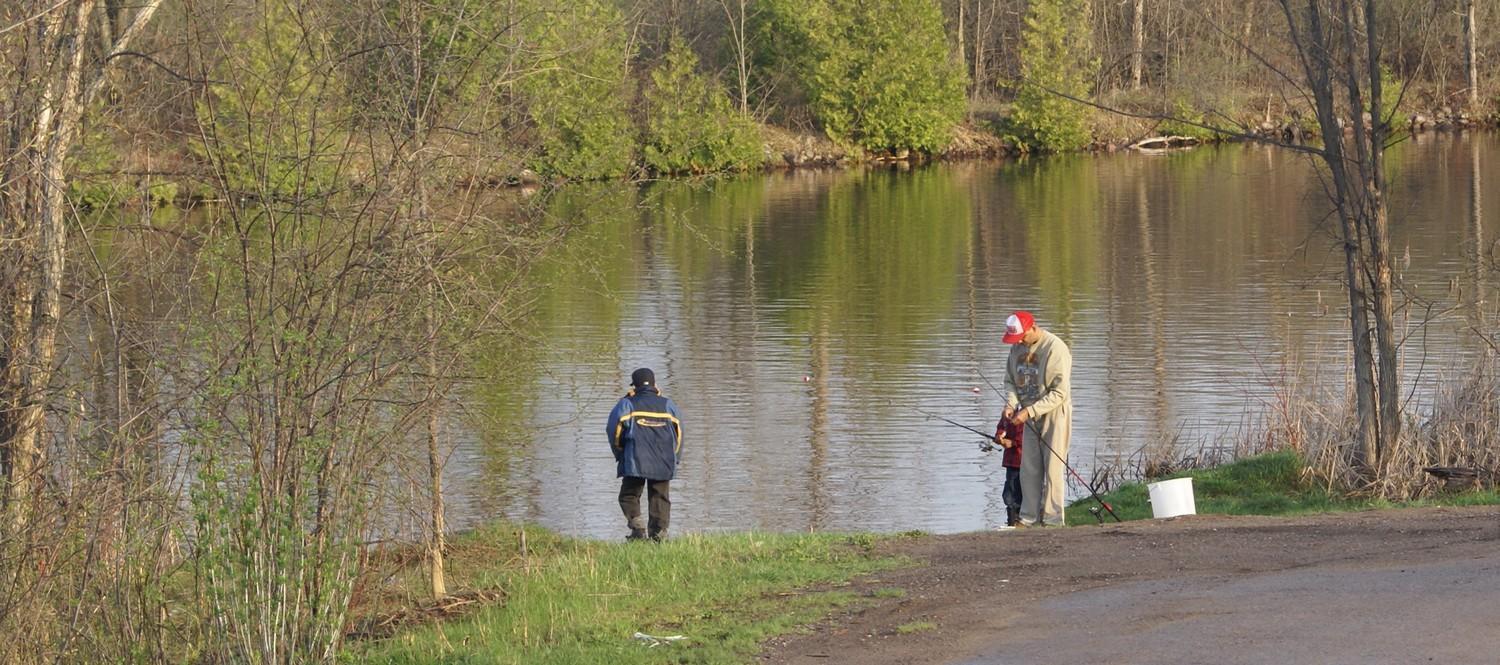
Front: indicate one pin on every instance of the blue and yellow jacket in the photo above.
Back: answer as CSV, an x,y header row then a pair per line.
x,y
645,434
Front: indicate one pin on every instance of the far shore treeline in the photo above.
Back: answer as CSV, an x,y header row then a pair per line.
x,y
603,89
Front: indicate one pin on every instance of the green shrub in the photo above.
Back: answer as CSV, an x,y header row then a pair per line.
x,y
875,73
1055,58
575,91
452,51
271,119
690,125
1390,93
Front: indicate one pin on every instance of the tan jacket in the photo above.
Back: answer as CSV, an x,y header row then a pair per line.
x,y
1038,378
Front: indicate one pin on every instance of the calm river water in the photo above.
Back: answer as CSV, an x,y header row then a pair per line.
x,y
800,319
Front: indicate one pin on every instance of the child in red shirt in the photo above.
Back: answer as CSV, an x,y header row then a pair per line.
x,y
1008,436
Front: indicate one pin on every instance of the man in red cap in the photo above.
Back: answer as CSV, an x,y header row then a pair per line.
x,y
1038,396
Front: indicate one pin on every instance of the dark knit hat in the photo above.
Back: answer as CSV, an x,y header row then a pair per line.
x,y
643,377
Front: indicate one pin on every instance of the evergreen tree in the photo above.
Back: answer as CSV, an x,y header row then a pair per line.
x,y
272,118
876,73
690,125
1056,57
576,88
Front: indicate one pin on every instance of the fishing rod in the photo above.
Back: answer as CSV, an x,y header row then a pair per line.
x,y
1092,492
929,414
989,445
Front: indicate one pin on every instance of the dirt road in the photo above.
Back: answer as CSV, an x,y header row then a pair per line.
x,y
1400,586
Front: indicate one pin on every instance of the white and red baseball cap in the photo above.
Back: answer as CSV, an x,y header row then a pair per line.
x,y
1017,325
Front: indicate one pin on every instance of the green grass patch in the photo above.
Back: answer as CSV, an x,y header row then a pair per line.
x,y
889,592
1269,484
915,627
578,601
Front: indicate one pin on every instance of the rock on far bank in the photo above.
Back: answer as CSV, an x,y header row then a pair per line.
x,y
786,148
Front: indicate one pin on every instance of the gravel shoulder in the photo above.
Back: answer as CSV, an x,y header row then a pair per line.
x,y
1408,585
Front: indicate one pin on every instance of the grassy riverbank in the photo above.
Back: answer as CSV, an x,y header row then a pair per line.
x,y
563,600
1269,484
530,596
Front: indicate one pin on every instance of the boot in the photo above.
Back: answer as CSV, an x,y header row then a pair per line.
x,y
1012,516
636,534
658,536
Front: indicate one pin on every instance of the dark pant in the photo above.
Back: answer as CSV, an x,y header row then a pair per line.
x,y
1011,493
659,501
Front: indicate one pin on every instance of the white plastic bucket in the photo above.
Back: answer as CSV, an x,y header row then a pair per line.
x,y
1170,498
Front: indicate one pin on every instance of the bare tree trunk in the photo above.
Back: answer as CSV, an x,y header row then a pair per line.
x,y
437,542
979,35
1471,57
1385,331
1363,360
1476,299
434,458
1314,49
36,182
417,129
1137,43
740,41
1370,141
1358,188
40,132
963,56
1169,66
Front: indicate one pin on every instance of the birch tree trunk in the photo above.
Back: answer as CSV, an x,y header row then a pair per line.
x,y
740,42
53,83
1471,56
436,543
962,52
1137,43
35,237
979,39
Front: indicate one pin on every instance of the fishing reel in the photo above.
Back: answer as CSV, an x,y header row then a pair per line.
x,y
1098,512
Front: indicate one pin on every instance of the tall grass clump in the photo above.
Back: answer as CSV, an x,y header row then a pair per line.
x,y
1459,427
1293,454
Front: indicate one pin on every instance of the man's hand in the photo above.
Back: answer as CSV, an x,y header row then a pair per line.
x,y
1010,412
1004,442
1021,417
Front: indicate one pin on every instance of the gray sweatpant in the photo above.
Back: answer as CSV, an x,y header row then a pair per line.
x,y
1043,480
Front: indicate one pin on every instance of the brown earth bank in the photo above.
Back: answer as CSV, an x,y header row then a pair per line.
x,y
1388,586
787,148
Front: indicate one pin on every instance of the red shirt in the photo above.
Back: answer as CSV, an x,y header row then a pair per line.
x,y
1012,457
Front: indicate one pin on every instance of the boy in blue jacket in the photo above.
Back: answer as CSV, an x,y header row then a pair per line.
x,y
645,435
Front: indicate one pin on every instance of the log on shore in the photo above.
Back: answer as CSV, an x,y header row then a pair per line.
x,y
1165,143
